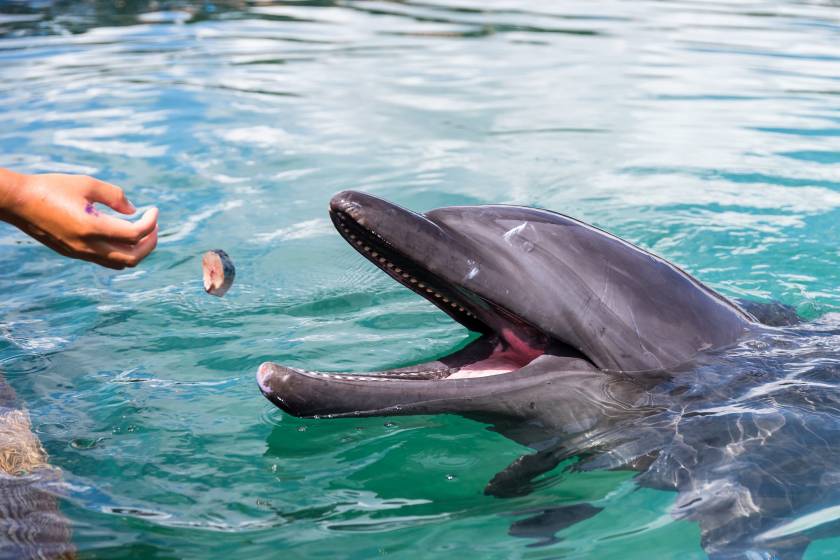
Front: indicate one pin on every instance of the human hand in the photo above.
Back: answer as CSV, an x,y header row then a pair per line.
x,y
58,210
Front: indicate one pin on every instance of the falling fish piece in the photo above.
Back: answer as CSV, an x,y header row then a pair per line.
x,y
219,272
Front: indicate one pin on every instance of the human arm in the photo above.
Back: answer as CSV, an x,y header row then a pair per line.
x,y
58,211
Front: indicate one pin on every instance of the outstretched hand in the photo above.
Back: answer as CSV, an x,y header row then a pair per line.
x,y
58,210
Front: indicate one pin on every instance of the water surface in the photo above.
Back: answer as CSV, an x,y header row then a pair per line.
x,y
707,132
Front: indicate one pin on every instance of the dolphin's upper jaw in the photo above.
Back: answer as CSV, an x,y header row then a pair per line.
x,y
356,224
367,225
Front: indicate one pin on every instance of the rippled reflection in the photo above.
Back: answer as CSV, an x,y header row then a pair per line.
x,y
708,132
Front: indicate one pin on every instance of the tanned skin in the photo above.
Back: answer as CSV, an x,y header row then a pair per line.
x,y
58,211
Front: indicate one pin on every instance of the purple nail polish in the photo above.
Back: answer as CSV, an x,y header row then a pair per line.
x,y
89,209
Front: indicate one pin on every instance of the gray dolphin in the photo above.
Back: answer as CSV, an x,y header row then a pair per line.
x,y
589,347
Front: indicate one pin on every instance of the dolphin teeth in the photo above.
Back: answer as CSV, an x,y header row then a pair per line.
x,y
374,254
367,247
413,280
397,269
405,274
446,299
421,285
352,236
390,265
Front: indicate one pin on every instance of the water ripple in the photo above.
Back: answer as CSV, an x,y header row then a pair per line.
x,y
706,131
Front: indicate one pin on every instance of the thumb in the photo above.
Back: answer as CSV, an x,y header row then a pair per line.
x,y
111,196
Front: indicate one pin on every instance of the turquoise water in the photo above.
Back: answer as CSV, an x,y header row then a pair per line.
x,y
707,132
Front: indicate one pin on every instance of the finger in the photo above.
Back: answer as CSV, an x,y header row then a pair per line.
x,y
110,228
110,195
121,254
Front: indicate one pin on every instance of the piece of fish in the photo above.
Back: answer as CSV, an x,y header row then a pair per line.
x,y
219,272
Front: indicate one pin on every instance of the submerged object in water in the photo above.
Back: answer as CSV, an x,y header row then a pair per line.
x,y
219,272
31,524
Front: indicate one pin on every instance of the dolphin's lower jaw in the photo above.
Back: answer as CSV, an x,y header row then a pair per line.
x,y
518,395
312,394
459,382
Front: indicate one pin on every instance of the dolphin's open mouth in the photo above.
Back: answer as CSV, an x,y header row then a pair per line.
x,y
508,343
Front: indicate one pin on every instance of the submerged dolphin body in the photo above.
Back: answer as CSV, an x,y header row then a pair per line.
x,y
592,347
31,523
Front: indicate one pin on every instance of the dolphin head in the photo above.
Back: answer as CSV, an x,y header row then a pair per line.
x,y
556,301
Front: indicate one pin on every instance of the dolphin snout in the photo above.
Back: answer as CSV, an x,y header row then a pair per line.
x,y
353,203
292,389
267,375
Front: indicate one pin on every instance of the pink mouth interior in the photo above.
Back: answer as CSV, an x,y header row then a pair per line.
x,y
510,355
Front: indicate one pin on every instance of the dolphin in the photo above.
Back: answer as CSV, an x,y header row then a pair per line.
x,y
589,347
31,523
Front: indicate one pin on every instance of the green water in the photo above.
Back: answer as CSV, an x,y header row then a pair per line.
x,y
707,132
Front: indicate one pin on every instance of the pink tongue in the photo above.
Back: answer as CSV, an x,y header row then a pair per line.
x,y
524,352
518,354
